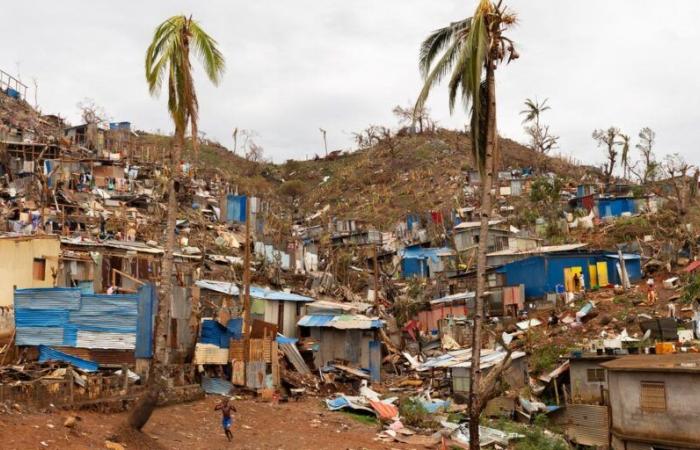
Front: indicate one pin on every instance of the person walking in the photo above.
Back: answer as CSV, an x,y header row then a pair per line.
x,y
226,421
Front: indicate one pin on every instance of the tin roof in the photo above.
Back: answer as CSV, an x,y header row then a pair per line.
x,y
226,287
678,362
341,322
540,250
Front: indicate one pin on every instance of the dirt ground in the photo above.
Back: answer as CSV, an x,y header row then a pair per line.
x,y
296,425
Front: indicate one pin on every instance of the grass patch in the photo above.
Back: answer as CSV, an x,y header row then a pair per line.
x,y
364,419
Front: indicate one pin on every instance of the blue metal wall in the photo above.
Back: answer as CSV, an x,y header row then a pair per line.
x,y
414,267
236,208
541,274
67,317
615,207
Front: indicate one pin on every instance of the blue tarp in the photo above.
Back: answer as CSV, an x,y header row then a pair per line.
x,y
50,354
214,333
235,328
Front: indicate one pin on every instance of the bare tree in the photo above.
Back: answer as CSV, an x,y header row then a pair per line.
x,y
685,186
255,152
410,116
649,166
608,139
235,140
91,112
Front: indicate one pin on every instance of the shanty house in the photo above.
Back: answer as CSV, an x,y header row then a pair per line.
x,y
27,262
342,333
466,235
616,206
277,307
458,362
542,274
421,262
653,401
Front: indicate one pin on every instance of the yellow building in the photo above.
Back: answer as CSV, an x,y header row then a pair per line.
x,y
27,262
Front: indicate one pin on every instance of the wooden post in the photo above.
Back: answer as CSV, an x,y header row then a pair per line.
x,y
376,276
556,392
246,270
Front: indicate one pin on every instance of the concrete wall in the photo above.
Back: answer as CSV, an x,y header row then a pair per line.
x,y
583,391
677,424
17,263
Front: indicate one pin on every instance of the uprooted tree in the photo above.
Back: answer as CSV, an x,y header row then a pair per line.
x,y
168,57
469,51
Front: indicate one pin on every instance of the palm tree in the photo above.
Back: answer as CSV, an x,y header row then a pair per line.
x,y
470,51
533,109
168,57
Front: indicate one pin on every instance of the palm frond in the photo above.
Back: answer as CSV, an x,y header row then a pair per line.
x,y
208,53
438,41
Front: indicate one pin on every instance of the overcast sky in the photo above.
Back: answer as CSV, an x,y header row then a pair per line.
x,y
295,66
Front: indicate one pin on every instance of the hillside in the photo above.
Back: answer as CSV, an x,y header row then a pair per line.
x,y
381,183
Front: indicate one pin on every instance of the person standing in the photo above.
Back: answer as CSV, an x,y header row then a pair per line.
x,y
651,292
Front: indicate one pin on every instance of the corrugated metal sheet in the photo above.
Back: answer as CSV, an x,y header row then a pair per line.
x,y
147,307
70,318
39,335
216,386
109,313
210,354
587,424
50,354
267,294
292,353
223,287
341,322
41,318
48,298
106,340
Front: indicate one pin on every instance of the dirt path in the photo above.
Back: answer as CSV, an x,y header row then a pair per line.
x,y
296,425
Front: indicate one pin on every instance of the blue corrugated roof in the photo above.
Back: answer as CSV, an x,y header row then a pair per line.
x,y
424,253
315,320
226,287
266,294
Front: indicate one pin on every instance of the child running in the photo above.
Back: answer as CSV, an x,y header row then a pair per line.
x,y
226,420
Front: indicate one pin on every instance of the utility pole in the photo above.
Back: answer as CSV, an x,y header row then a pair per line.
x,y
246,270
325,142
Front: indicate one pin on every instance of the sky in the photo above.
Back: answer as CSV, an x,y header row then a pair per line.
x,y
296,66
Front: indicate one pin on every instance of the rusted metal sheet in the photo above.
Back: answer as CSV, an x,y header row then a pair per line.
x,y
385,411
587,424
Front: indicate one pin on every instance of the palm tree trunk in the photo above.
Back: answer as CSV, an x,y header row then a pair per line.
x,y
475,405
144,407
166,273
